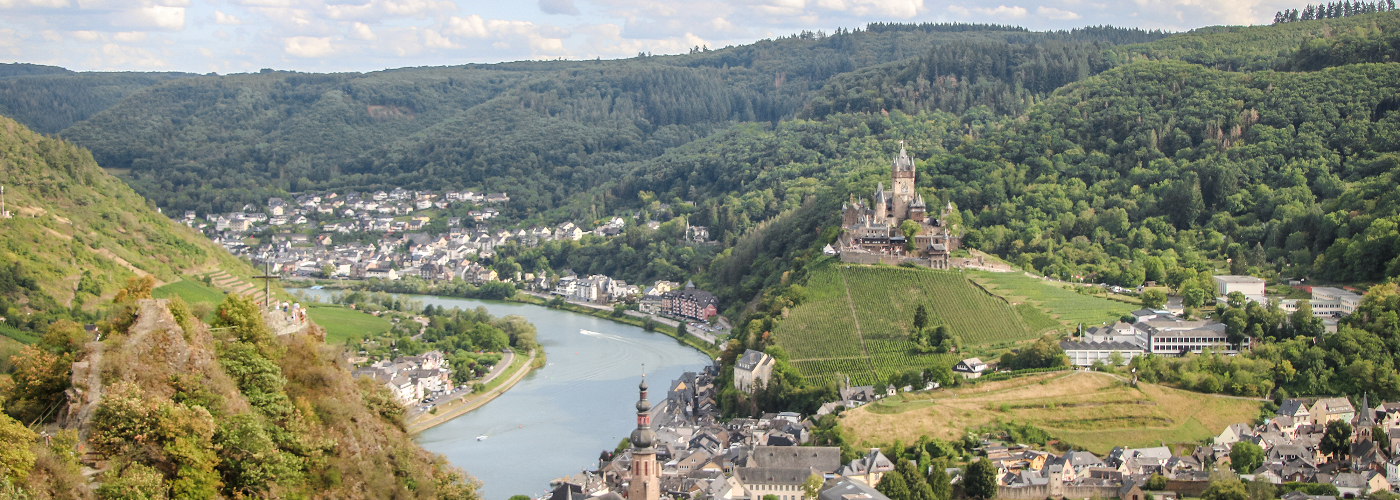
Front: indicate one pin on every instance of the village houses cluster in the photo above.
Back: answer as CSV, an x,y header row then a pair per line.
x,y
683,450
403,249
411,378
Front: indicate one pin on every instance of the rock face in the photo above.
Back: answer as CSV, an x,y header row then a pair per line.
x,y
155,353
336,437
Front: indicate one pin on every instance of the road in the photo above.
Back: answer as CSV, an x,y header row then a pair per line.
x,y
458,393
428,422
708,337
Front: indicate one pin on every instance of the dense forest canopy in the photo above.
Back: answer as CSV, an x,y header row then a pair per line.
x,y
556,133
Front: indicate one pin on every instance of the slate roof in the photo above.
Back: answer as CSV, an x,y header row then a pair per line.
x,y
749,360
825,459
849,489
770,475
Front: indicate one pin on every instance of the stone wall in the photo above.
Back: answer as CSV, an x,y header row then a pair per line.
x,y
879,258
1058,491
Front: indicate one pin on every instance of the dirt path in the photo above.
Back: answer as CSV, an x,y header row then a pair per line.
x,y
852,302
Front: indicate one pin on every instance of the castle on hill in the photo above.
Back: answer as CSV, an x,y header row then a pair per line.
x,y
872,232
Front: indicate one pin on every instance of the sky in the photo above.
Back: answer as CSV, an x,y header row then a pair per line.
x,y
237,36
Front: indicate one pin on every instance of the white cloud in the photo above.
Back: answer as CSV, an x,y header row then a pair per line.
x,y
902,9
113,56
51,36
472,26
154,16
1056,14
379,9
565,7
432,39
87,36
361,31
221,18
958,10
1002,11
130,36
308,47
43,4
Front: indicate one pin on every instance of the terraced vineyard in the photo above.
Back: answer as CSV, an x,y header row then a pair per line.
x,y
1068,307
864,333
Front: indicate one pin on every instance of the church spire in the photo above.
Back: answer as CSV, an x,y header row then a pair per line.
x,y
645,482
643,438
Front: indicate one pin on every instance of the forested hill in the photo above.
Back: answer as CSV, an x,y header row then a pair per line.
x,y
545,131
48,99
76,233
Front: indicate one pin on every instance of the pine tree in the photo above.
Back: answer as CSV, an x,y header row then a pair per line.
x,y
938,479
892,485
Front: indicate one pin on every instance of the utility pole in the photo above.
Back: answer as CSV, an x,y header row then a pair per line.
x,y
4,214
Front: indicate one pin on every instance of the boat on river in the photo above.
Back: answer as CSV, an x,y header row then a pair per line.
x,y
587,332
481,437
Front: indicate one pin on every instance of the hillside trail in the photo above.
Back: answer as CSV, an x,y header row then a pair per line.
x,y
851,302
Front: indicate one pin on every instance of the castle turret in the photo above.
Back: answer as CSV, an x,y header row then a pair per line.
x,y
646,478
903,189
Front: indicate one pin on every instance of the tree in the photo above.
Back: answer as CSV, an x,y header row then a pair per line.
x,y
938,479
981,481
680,328
893,486
1336,439
812,486
909,228
920,317
37,384
1245,457
15,458
242,315
1302,321
1156,483
1228,489
1154,299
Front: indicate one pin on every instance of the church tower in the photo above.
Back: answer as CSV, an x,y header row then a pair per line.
x,y
1364,422
903,189
646,478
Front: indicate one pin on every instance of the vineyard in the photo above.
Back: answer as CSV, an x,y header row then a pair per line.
x,y
864,333
1069,308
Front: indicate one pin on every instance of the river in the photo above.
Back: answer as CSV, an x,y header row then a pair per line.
x,y
558,418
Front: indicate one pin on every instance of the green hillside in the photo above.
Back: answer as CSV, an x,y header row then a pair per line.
x,y
48,99
77,233
550,132
856,320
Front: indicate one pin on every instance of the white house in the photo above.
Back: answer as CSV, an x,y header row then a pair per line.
x,y
752,368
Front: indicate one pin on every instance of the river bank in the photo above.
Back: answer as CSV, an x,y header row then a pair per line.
x,y
458,407
579,402
668,328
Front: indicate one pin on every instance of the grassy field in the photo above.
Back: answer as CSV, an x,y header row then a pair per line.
x,y
342,323
191,291
1085,410
1065,306
864,334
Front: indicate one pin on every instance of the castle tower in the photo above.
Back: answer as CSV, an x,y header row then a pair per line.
x,y
646,478
903,189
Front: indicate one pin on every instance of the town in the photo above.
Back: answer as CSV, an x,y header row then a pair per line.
x,y
398,247
683,450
